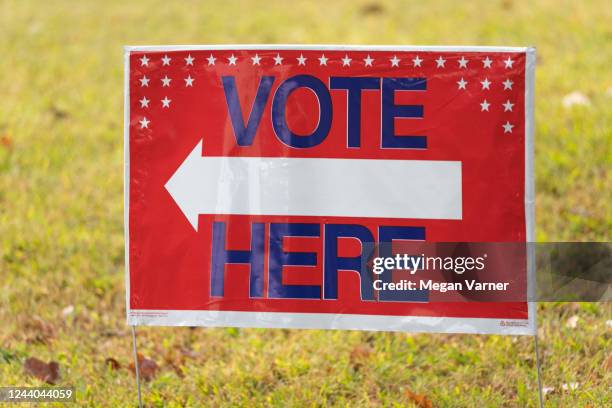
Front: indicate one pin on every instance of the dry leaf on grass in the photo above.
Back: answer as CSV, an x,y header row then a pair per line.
x,y
112,363
148,368
38,331
48,372
420,400
175,358
6,141
359,355
178,370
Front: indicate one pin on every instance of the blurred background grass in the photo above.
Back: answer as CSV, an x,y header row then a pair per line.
x,y
61,208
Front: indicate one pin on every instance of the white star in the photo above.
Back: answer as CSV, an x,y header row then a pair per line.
x,y
166,81
166,60
232,60
278,60
463,62
508,84
346,61
144,102
189,81
189,60
484,106
507,127
417,61
508,63
144,81
301,60
211,60
440,62
368,61
323,59
144,61
486,63
256,59
507,106
486,84
462,84
395,61
144,123
166,102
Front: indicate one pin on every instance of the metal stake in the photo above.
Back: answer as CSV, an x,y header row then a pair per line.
x,y
137,368
537,352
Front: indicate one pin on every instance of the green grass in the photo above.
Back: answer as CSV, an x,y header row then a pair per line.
x,y
61,209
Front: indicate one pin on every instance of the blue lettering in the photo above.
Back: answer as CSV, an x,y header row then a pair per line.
x,y
245,135
221,257
279,104
280,258
334,263
390,111
354,86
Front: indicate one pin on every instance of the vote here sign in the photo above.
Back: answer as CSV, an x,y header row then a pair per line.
x,y
256,176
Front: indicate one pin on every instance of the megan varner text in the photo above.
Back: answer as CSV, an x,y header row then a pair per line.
x,y
440,286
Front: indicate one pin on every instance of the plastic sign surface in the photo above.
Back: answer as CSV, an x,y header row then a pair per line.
x,y
257,176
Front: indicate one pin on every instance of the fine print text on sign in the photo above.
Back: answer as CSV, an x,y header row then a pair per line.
x,y
259,178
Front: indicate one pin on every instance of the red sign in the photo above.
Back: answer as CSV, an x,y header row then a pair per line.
x,y
256,176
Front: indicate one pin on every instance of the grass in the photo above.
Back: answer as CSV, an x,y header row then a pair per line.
x,y
61,227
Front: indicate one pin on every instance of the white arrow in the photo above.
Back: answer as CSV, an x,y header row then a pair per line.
x,y
316,187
